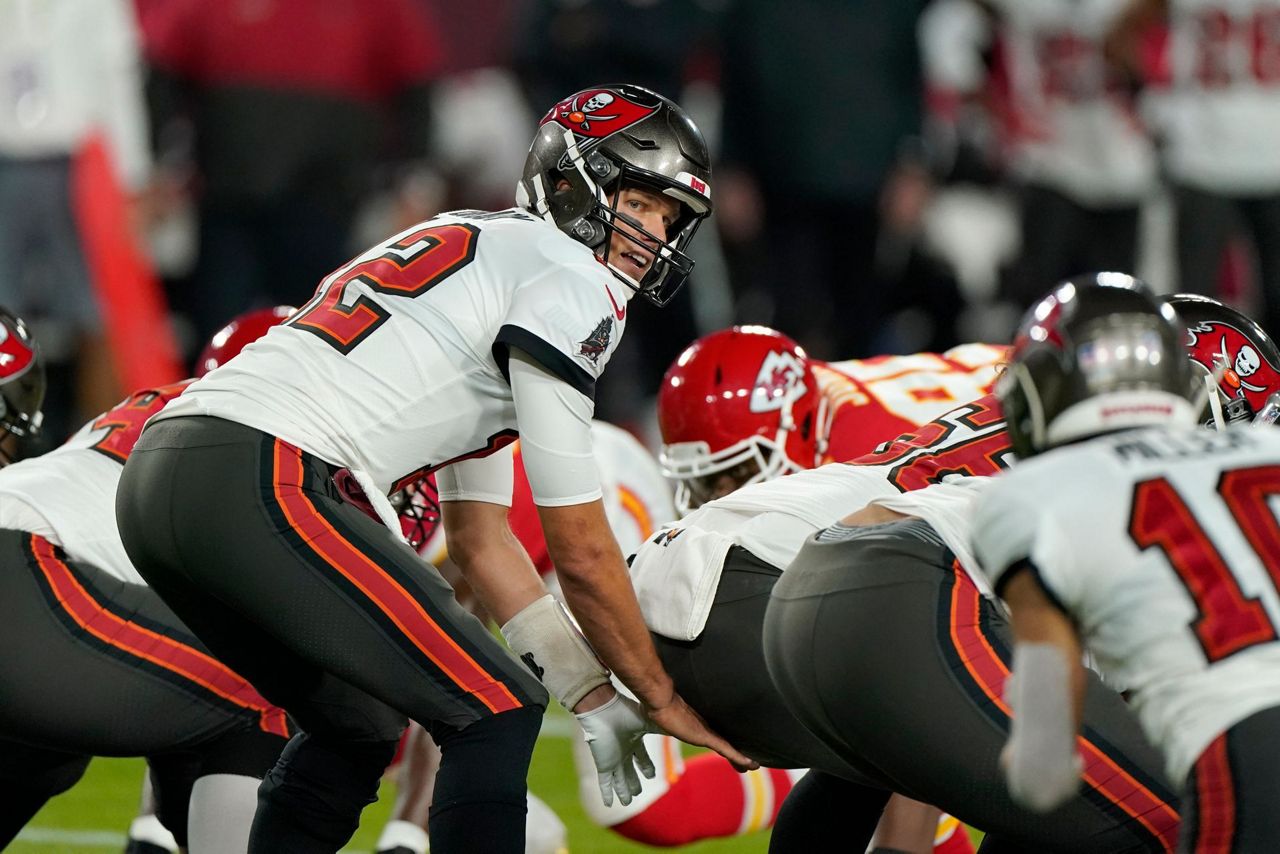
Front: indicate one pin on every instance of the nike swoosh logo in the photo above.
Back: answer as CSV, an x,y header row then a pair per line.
x,y
620,313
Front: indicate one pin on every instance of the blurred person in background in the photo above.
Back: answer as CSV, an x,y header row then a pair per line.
x,y
1219,133
1065,130
292,104
71,73
662,45
819,96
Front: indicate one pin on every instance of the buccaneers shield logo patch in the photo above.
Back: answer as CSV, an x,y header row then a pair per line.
x,y
595,344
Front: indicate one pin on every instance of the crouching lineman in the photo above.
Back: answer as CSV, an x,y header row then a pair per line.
x,y
1149,541
96,664
432,351
704,584
747,404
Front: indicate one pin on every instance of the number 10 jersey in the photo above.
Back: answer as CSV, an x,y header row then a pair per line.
x,y
1164,547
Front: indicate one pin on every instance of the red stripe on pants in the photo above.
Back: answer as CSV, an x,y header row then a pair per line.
x,y
1215,799
178,658
1101,773
399,606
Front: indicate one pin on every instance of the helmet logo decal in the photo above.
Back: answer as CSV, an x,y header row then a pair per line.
x,y
15,354
1243,368
595,344
1247,361
597,113
780,381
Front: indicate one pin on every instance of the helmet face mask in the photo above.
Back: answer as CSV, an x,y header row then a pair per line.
x,y
1235,362
417,504
738,406
1099,354
601,140
22,380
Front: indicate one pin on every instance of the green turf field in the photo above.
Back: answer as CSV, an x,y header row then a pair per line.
x,y
101,805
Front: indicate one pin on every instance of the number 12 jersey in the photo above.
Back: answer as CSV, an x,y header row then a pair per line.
x,y
398,364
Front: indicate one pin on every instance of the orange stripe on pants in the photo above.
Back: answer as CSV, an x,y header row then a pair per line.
x,y
1215,799
1101,772
185,661
399,606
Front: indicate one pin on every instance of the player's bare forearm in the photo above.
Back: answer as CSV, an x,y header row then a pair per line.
x,y
491,558
597,587
1036,619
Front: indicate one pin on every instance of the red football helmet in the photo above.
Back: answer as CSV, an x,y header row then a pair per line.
x,y
741,403
417,504
22,380
240,332
1236,356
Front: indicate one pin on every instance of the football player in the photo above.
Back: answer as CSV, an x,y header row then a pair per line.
x,y
1235,359
97,664
636,500
1151,542
432,351
747,404
933,660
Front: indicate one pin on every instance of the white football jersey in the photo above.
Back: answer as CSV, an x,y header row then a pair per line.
x,y
1074,128
637,498
68,496
676,572
1164,546
398,364
1224,110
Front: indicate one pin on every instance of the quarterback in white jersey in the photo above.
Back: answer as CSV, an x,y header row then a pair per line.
x,y
432,351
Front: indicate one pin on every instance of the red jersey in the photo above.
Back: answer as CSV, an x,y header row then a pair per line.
x,y
871,401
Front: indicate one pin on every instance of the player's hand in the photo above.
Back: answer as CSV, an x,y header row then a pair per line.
x,y
615,733
677,718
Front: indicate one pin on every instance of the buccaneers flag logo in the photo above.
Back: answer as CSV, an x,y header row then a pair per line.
x,y
16,354
594,345
597,113
1224,350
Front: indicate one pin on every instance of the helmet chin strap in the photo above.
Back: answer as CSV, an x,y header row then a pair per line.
x,y
1034,404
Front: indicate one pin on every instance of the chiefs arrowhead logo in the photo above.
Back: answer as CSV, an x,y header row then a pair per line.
x,y
779,381
595,344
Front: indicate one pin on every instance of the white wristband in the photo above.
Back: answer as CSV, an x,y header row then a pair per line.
x,y
546,640
1042,765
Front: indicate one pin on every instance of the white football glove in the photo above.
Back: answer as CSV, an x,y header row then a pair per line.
x,y
615,733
